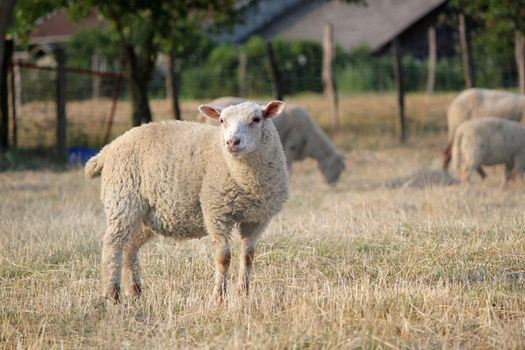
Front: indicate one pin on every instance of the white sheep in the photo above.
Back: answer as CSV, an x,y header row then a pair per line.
x,y
477,103
187,180
301,138
489,141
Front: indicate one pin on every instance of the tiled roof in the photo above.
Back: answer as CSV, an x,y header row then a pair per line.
x,y
375,24
58,27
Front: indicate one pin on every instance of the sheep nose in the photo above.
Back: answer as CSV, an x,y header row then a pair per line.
x,y
233,142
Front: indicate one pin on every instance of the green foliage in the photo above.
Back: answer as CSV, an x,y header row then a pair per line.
x,y
365,73
299,63
26,14
509,14
88,42
493,24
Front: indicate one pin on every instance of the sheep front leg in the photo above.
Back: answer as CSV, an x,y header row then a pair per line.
x,y
222,264
508,175
465,175
111,265
249,234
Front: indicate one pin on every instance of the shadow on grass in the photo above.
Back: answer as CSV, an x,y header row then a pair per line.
x,y
19,159
422,178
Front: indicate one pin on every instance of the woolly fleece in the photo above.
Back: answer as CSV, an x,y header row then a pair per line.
x,y
301,138
489,141
176,179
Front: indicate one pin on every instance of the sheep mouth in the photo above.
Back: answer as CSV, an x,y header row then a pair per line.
x,y
235,151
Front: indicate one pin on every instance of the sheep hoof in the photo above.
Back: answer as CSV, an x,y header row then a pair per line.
x,y
218,295
114,295
136,290
242,291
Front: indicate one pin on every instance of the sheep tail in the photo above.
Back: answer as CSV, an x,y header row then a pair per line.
x,y
94,166
447,154
456,151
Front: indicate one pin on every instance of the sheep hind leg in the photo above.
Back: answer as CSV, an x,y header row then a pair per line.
x,y
249,234
465,175
481,172
130,262
447,155
222,264
117,233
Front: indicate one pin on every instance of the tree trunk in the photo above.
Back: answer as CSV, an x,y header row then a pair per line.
x,y
6,12
466,52
4,96
520,59
328,76
398,71
432,58
138,79
277,85
173,84
61,81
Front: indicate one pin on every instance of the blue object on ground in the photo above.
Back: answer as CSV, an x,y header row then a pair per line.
x,y
78,156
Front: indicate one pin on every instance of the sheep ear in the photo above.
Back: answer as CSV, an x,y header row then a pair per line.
x,y
210,111
273,109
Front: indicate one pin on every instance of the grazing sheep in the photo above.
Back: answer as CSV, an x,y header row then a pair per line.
x,y
476,103
489,141
301,138
186,180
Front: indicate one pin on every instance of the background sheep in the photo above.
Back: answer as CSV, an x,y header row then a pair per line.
x,y
476,103
186,180
301,138
489,141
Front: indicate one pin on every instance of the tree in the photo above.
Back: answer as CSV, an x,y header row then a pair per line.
x,y
185,46
142,26
502,19
509,13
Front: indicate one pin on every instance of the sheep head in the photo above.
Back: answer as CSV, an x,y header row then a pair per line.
x,y
242,125
332,167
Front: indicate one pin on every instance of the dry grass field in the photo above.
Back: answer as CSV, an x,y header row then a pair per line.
x,y
392,258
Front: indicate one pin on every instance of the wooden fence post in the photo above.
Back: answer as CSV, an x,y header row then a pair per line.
x,y
61,81
519,46
4,96
14,100
398,71
328,73
432,58
277,85
96,80
466,54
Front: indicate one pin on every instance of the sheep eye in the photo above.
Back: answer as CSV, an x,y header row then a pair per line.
x,y
256,119
221,120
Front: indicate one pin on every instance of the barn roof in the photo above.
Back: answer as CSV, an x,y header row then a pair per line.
x,y
374,25
58,28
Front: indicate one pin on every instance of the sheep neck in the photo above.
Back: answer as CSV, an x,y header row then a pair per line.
x,y
254,172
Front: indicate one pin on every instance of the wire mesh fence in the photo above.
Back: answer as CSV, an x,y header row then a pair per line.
x,y
90,108
97,102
